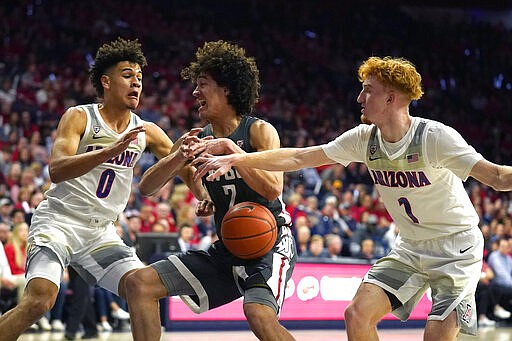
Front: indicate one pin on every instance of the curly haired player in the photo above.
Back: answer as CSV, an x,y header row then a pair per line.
x,y
227,89
91,168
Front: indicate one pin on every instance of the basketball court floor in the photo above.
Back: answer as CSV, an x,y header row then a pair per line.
x,y
488,334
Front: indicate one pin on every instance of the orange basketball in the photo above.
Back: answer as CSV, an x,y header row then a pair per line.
x,y
249,230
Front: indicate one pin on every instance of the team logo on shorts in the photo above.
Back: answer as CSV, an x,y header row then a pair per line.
x,y
467,314
240,143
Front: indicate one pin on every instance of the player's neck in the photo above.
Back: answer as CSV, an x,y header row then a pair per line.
x,y
226,127
117,118
394,129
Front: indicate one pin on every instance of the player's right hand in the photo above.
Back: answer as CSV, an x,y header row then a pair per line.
x,y
220,164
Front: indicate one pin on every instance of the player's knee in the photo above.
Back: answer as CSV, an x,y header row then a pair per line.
x,y
354,316
258,315
139,284
134,284
39,302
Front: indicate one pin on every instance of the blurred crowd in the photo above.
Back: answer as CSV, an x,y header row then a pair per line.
x,y
307,52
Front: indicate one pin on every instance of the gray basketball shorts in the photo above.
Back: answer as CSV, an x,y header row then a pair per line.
x,y
450,266
210,279
96,252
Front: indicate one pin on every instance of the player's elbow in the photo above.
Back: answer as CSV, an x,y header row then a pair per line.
x,y
145,189
271,193
55,175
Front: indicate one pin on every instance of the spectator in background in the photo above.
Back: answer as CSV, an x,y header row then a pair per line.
x,y
5,232
16,252
35,200
160,226
365,205
366,228
18,216
6,207
80,308
205,226
56,314
207,232
310,208
367,250
147,217
303,235
163,212
107,304
134,203
39,154
316,248
187,216
309,179
483,295
294,208
488,236
8,283
500,261
186,236
133,226
348,224
330,221
334,245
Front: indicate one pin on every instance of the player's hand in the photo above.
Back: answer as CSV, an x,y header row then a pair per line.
x,y
205,208
193,145
209,145
207,162
124,141
186,141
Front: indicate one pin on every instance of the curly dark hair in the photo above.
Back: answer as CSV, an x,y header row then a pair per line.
x,y
228,65
112,53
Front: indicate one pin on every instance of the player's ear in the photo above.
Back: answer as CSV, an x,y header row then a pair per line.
x,y
105,81
391,97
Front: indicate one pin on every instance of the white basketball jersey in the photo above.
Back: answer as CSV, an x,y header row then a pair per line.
x,y
419,178
102,192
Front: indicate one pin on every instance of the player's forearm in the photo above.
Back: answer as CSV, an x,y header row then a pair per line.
x,y
196,187
69,167
283,159
160,173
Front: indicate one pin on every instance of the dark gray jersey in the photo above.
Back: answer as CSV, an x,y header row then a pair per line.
x,y
230,188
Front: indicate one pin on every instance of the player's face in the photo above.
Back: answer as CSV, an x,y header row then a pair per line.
x,y
211,97
125,84
373,98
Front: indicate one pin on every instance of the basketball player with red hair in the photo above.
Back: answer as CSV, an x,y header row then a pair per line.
x,y
417,166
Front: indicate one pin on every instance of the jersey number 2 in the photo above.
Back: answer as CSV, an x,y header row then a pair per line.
x,y
407,206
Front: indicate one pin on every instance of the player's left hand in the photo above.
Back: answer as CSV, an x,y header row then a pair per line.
x,y
205,208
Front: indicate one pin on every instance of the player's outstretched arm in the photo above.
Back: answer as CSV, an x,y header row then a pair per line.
x,y
496,176
283,159
64,163
171,162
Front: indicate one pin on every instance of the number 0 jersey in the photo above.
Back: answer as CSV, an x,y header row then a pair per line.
x,y
102,192
419,178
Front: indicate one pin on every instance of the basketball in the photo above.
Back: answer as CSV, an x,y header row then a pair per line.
x,y
249,230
